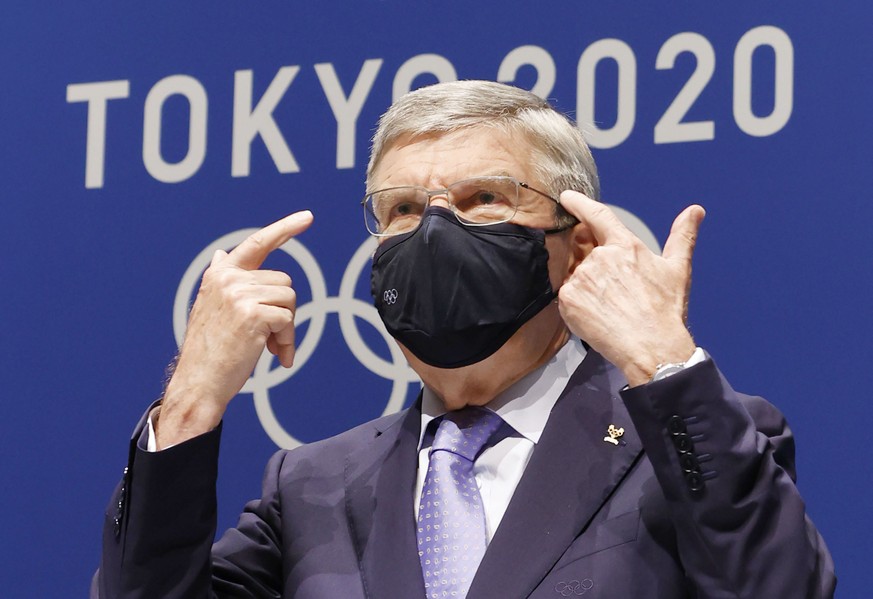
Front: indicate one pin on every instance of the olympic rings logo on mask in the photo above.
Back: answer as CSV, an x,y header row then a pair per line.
x,y
390,297
345,305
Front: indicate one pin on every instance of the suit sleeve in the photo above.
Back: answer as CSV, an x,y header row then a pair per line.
x,y
725,463
161,522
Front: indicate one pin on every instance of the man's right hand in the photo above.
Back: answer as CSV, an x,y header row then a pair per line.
x,y
239,309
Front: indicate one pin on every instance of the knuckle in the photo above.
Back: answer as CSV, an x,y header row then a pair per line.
x,y
600,210
285,298
234,294
246,311
211,275
281,321
256,240
588,269
566,297
218,277
569,293
598,253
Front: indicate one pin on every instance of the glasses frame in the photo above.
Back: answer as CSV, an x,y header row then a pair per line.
x,y
436,192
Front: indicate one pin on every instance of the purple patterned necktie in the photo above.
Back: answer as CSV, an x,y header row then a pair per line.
x,y
451,522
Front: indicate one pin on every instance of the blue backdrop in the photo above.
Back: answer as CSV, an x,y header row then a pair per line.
x,y
137,136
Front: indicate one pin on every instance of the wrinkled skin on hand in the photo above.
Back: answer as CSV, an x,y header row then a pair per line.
x,y
627,302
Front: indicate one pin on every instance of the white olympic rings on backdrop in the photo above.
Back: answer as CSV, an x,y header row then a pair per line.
x,y
315,312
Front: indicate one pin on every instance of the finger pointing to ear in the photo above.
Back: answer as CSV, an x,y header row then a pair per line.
x,y
603,223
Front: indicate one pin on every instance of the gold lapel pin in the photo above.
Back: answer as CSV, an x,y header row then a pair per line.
x,y
614,434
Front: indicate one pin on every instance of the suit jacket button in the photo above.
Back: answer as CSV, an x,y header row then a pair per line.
x,y
676,425
689,463
683,443
694,481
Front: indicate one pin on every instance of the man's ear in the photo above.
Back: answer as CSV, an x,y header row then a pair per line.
x,y
581,242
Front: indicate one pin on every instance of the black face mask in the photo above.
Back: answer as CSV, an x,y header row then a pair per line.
x,y
453,294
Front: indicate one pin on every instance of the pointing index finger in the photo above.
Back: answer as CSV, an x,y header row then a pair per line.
x,y
603,223
255,248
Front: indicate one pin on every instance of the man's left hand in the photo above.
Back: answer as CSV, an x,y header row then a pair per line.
x,y
624,300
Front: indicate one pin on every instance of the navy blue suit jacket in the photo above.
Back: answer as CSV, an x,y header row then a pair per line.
x,y
697,500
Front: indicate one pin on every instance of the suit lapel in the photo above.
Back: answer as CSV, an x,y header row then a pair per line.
x,y
570,475
380,483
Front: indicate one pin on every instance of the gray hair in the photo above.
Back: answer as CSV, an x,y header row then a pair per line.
x,y
561,157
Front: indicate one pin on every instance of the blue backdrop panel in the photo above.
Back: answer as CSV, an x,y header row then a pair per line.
x,y
135,139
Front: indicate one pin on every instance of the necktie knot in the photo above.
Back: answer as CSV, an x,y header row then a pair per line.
x,y
465,432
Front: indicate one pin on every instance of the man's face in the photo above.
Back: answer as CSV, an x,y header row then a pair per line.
x,y
435,162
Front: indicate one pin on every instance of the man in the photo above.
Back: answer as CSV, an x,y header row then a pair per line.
x,y
622,464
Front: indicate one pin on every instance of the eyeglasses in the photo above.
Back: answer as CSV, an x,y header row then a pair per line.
x,y
475,202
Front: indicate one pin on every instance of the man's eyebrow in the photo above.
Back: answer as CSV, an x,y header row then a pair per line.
x,y
497,173
500,173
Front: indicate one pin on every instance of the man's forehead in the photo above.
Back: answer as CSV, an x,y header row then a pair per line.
x,y
454,155
486,131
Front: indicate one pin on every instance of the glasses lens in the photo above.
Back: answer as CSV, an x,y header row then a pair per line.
x,y
394,211
485,200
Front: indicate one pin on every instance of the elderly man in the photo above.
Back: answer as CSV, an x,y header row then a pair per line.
x,y
571,438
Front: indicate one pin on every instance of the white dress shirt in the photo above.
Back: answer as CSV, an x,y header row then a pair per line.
x,y
525,406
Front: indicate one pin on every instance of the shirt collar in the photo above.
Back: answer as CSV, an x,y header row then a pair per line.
x,y
527,403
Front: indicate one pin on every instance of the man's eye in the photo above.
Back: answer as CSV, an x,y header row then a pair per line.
x,y
477,202
392,204
403,209
487,197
